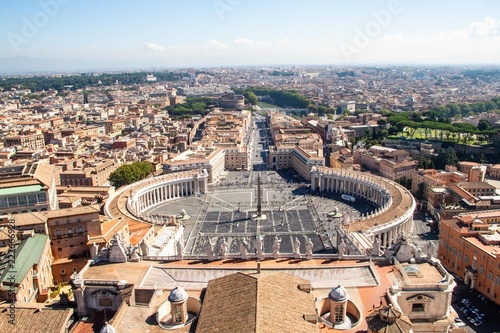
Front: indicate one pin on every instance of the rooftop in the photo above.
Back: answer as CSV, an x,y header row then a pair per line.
x,y
28,253
35,320
20,190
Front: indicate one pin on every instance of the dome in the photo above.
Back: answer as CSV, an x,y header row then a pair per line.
x,y
177,294
338,294
107,328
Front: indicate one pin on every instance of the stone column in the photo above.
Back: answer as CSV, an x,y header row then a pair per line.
x,y
196,185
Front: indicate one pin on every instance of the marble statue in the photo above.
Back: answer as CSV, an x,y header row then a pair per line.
x,y
258,246
430,249
243,249
209,249
180,249
95,251
309,248
376,246
276,247
223,248
296,247
341,249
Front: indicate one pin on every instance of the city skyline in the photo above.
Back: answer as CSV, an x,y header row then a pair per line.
x,y
65,35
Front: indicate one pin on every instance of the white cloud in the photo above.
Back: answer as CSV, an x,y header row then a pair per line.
x,y
215,44
154,46
208,45
245,42
478,42
488,27
92,47
485,28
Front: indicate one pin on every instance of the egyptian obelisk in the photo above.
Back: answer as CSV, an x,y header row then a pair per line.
x,y
259,198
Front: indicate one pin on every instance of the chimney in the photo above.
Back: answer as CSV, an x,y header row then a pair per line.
x,y
258,267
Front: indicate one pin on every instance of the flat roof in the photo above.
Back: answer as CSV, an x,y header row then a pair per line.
x,y
20,190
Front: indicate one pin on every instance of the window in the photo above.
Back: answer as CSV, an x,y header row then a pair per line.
x,y
459,255
339,313
417,307
57,222
63,271
490,275
177,314
466,259
481,269
13,202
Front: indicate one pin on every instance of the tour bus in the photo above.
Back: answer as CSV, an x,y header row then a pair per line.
x,y
348,197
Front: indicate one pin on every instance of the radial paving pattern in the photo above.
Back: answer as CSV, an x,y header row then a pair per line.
x,y
227,213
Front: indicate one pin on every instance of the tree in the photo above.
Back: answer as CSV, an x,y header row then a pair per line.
x,y
446,157
420,191
484,125
250,97
130,173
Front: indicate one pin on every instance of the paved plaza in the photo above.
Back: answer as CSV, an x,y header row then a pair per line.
x,y
227,213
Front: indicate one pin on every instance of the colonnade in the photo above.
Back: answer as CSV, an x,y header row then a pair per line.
x,y
380,224
149,193
358,185
389,237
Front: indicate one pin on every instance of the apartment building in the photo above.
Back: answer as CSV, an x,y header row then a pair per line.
x,y
114,126
469,246
495,171
31,276
387,162
95,173
431,178
236,158
475,171
212,159
29,141
301,160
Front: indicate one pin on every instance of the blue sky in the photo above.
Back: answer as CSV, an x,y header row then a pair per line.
x,y
186,33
